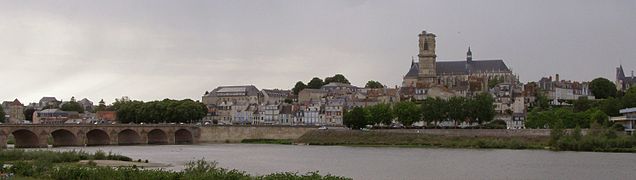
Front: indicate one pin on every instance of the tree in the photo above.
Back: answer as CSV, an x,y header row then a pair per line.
x,y
72,106
457,109
484,108
356,118
629,99
315,83
28,114
373,84
610,106
380,114
407,113
1,115
434,110
602,88
339,78
582,104
298,87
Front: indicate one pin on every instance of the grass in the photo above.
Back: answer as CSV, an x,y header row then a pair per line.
x,y
41,164
374,138
268,141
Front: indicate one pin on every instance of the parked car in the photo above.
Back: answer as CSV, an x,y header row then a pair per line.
x,y
323,128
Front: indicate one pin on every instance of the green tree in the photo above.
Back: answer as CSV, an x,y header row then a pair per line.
x,y
434,110
373,84
582,104
2,114
407,113
457,109
610,106
380,114
629,99
339,78
484,108
298,87
28,114
603,88
72,106
315,83
542,101
356,118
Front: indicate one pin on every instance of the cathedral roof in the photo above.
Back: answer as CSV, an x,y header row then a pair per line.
x,y
463,67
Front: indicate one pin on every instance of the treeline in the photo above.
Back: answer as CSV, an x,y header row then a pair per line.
x,y
582,113
317,83
478,109
165,111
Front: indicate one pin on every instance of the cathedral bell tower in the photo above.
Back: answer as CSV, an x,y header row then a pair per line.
x,y
427,57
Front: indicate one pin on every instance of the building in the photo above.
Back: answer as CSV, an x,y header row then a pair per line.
x,y
275,96
623,83
86,104
628,120
221,100
53,116
270,113
106,116
14,111
308,95
334,111
559,91
451,78
310,114
48,102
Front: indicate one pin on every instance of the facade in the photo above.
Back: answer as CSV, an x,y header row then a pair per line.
x,y
106,116
334,111
623,83
14,111
87,105
221,103
628,120
48,101
309,114
308,95
559,91
275,96
53,116
451,78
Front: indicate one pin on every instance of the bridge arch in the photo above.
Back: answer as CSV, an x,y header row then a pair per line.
x,y
26,139
63,137
183,136
96,137
157,136
128,137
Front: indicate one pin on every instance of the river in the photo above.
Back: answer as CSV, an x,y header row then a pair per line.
x,y
391,163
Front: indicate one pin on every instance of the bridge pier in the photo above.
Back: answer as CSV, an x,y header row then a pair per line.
x,y
3,141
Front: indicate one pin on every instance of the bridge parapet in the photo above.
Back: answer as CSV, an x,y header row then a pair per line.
x,y
39,135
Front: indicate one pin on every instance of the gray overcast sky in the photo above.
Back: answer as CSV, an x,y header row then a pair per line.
x,y
155,49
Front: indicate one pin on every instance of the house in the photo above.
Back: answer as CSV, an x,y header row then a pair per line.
x,y
274,96
221,100
53,116
14,111
48,102
628,120
308,95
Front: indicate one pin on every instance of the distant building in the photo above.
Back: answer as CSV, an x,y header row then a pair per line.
x,y
628,120
53,116
462,78
308,95
48,102
221,102
275,96
14,111
107,116
623,82
86,104
559,91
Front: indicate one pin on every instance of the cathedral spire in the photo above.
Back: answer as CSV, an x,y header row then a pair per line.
x,y
469,55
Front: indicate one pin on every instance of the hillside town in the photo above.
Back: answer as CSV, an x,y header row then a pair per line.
x,y
325,102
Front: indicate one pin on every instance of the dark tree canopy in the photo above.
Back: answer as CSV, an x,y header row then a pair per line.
x,y
373,84
315,83
380,114
407,113
298,87
166,110
28,114
434,110
337,78
1,115
603,88
356,118
72,106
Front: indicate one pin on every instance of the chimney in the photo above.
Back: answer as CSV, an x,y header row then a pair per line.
x,y
557,77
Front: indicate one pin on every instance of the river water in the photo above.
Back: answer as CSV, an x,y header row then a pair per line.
x,y
391,163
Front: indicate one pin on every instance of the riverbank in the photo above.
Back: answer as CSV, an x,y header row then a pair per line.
x,y
78,165
398,139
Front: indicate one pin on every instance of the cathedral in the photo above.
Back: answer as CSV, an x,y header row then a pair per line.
x,y
452,78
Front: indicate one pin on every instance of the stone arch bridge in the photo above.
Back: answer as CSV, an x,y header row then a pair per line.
x,y
37,136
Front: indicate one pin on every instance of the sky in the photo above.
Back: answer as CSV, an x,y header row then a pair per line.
x,y
156,49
